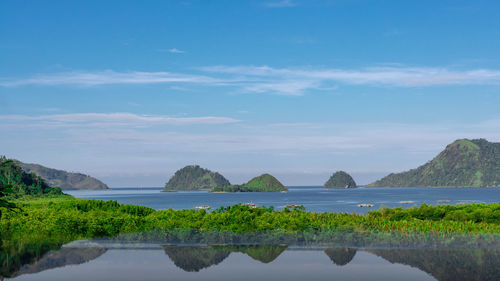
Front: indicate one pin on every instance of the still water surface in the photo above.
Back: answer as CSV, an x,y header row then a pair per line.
x,y
150,261
316,199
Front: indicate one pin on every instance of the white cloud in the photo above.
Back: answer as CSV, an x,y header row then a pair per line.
x,y
388,76
111,119
265,79
280,4
175,51
108,77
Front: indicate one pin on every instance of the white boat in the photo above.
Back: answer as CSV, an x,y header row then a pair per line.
x,y
251,205
203,207
365,205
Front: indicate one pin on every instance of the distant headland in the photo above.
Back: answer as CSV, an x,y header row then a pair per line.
x,y
64,180
463,163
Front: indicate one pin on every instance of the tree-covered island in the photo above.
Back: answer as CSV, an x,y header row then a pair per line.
x,y
194,177
340,179
262,183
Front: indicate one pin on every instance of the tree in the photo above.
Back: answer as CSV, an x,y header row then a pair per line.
x,y
6,189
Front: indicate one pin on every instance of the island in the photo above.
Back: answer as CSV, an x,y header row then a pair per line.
x,y
463,163
62,179
340,179
193,177
262,183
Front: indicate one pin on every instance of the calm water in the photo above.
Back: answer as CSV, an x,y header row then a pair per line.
x,y
95,260
313,198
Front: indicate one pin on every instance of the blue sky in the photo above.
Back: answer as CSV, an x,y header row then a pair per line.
x,y
130,91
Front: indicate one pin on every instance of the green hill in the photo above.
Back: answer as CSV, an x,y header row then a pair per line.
x,y
262,183
20,183
340,179
64,180
195,178
464,163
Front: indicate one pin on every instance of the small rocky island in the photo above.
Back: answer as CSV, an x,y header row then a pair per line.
x,y
262,183
194,177
62,179
340,179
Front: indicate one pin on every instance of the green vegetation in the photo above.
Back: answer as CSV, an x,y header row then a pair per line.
x,y
340,179
64,180
464,163
195,178
65,219
262,183
15,183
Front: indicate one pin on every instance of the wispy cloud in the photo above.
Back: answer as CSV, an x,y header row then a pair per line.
x,y
298,80
266,79
108,77
111,119
174,51
280,4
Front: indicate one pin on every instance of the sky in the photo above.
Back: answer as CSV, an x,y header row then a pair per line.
x,y
131,91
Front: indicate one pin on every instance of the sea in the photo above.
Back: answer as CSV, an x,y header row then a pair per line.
x,y
313,198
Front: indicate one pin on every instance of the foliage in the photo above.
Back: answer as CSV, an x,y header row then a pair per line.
x,y
464,163
21,183
64,180
262,183
340,179
194,178
477,213
64,219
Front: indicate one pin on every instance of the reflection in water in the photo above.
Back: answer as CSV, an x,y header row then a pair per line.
x,y
32,262
340,256
444,264
195,258
443,259
449,264
60,258
262,253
